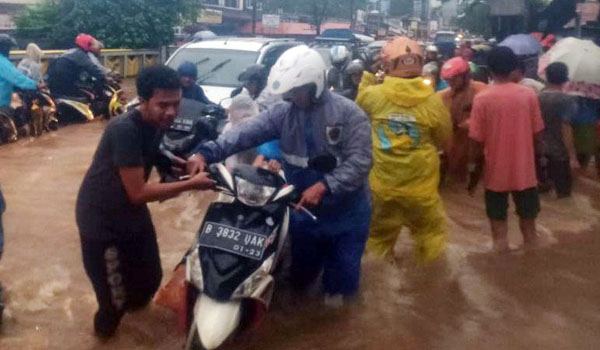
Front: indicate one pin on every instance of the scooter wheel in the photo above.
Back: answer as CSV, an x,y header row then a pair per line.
x,y
51,122
8,129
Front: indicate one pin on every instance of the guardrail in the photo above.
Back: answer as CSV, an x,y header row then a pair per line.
x,y
127,63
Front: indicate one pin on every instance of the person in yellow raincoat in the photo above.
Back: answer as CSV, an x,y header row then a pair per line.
x,y
409,124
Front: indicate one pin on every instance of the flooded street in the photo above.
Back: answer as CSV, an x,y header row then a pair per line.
x,y
543,299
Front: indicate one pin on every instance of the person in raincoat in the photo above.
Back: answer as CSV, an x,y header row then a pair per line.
x,y
313,122
458,99
409,124
31,65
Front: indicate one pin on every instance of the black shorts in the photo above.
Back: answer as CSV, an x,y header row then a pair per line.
x,y
526,201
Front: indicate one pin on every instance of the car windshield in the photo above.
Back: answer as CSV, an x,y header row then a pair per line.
x,y
216,67
444,38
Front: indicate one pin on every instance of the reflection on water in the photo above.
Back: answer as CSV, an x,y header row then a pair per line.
x,y
546,298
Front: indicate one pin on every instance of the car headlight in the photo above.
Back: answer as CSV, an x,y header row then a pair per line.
x,y
252,194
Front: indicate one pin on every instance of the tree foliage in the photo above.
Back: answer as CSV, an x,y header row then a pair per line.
x,y
118,23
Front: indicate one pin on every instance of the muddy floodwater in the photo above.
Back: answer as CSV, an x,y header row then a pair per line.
x,y
474,299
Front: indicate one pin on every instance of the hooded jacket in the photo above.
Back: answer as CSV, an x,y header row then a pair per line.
x,y
336,125
31,65
11,77
409,123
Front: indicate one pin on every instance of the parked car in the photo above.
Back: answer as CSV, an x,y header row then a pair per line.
x,y
221,60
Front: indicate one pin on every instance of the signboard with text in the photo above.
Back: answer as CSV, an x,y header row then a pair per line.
x,y
210,16
271,21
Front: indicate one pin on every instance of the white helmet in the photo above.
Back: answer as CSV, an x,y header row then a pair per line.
x,y
338,54
297,67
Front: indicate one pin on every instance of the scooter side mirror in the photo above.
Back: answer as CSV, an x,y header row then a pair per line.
x,y
323,163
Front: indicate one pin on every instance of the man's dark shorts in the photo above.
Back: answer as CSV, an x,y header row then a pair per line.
x,y
526,201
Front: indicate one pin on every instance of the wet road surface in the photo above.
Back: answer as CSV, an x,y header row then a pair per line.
x,y
543,299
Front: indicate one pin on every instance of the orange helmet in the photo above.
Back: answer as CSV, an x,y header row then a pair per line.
x,y
402,57
454,67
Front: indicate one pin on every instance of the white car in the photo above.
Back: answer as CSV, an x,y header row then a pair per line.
x,y
220,61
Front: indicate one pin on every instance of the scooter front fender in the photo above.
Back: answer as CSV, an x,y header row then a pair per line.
x,y
216,321
82,108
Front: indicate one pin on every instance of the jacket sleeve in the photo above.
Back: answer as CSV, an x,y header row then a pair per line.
x,y
354,169
86,63
15,77
251,133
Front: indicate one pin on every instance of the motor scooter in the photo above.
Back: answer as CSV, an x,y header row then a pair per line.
x,y
229,268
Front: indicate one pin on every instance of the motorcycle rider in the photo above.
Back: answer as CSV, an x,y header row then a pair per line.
x,y
339,56
313,122
31,65
188,74
118,240
409,123
68,72
254,80
11,77
354,72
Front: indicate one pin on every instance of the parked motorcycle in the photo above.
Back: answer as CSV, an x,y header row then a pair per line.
x,y
229,268
107,101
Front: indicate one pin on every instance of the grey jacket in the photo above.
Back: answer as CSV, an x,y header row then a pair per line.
x,y
339,128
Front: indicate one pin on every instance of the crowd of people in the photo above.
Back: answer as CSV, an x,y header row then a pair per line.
x,y
393,140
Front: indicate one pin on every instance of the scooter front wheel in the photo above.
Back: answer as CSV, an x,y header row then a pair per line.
x,y
8,129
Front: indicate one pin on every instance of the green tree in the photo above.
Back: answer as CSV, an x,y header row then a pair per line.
x,y
130,24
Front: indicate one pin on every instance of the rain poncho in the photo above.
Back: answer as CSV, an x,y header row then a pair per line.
x,y
31,65
241,108
408,124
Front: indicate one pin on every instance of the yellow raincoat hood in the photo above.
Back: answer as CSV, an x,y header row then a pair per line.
x,y
406,92
409,124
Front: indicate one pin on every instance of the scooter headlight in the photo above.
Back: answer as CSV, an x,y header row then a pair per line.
x,y
252,194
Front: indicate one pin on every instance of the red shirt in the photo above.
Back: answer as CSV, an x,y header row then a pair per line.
x,y
505,119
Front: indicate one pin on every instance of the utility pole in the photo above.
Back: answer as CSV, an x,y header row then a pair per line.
x,y
253,16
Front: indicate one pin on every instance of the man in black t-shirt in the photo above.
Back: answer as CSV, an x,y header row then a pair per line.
x,y
118,241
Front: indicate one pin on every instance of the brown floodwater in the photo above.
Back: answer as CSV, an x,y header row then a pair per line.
x,y
547,298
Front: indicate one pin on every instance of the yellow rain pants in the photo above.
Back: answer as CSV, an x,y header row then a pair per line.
x,y
423,217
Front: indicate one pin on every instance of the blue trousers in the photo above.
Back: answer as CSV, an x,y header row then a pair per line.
x,y
334,245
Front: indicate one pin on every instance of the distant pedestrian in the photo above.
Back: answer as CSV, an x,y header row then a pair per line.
x,y
585,131
458,99
505,124
558,110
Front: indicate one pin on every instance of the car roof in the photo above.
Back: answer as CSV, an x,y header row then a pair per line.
x,y
243,44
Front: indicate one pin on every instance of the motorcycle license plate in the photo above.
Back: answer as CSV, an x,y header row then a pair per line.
x,y
230,239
